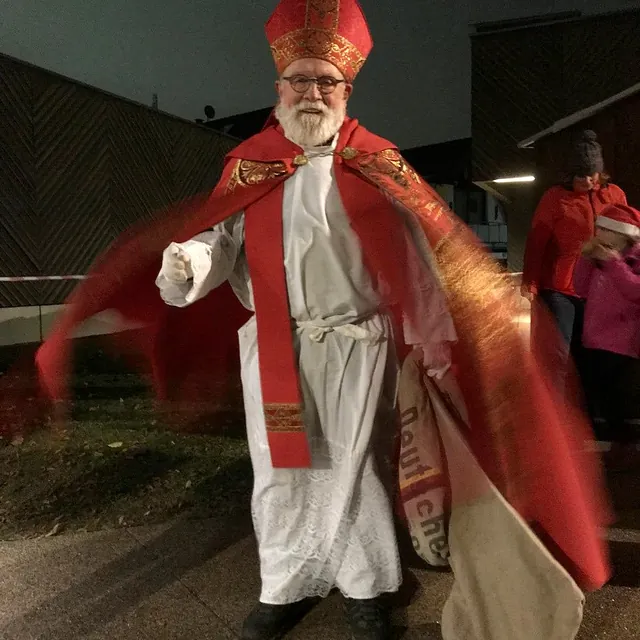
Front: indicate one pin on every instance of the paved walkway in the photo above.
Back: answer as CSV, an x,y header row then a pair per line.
x,y
198,580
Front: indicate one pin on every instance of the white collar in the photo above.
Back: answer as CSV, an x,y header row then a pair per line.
x,y
322,150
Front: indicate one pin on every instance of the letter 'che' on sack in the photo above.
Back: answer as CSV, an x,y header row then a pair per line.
x,y
422,474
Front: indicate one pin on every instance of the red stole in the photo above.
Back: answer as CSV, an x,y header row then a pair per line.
x,y
281,396
376,224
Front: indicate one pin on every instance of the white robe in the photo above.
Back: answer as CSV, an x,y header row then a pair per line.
x,y
331,525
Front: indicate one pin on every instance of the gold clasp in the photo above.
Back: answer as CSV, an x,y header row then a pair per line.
x,y
349,153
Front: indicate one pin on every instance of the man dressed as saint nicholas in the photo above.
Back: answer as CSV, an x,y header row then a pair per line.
x,y
374,314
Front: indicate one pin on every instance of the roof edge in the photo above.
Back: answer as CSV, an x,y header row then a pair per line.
x,y
498,27
85,85
578,116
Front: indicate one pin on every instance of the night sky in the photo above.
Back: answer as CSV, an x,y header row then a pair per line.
x,y
415,89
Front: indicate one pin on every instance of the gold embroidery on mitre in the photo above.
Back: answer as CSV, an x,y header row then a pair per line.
x,y
321,21
250,172
317,43
283,417
323,7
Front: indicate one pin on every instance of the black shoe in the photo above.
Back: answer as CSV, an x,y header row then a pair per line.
x,y
273,621
368,619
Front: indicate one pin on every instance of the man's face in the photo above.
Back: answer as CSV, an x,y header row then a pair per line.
x,y
312,101
321,70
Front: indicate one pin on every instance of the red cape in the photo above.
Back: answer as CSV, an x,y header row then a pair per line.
x,y
528,444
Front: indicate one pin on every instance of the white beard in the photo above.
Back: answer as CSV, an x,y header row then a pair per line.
x,y
310,129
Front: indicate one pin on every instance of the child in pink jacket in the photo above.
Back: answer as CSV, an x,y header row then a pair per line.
x,y
608,278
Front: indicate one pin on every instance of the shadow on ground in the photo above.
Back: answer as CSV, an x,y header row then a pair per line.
x,y
119,587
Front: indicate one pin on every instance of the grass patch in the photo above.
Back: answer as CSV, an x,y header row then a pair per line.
x,y
116,466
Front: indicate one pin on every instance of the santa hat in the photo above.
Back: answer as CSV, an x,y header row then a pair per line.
x,y
331,30
621,219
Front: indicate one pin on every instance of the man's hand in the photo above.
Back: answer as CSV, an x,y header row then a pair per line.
x,y
176,264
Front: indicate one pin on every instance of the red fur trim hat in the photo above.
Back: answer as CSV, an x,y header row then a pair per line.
x,y
621,219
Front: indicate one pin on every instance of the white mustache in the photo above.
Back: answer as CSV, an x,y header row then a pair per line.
x,y
316,106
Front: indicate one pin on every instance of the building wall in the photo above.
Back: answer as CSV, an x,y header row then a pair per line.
x,y
618,130
525,80
77,167
519,211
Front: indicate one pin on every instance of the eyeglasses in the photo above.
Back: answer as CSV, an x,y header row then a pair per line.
x,y
301,84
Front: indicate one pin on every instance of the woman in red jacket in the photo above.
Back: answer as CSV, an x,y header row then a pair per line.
x,y
563,222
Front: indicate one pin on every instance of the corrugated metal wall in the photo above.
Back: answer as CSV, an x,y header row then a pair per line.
x,y
524,80
618,130
77,167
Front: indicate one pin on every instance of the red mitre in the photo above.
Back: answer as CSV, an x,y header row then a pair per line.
x,y
332,30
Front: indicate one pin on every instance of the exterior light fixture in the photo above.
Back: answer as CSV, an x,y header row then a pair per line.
x,y
515,179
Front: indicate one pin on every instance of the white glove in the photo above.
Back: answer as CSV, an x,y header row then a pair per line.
x,y
176,264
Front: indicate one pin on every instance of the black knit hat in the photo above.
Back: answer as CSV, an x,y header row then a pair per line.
x,y
586,156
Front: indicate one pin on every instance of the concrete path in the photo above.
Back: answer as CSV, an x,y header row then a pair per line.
x,y
197,581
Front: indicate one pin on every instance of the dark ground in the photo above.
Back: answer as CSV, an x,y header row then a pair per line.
x,y
116,463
